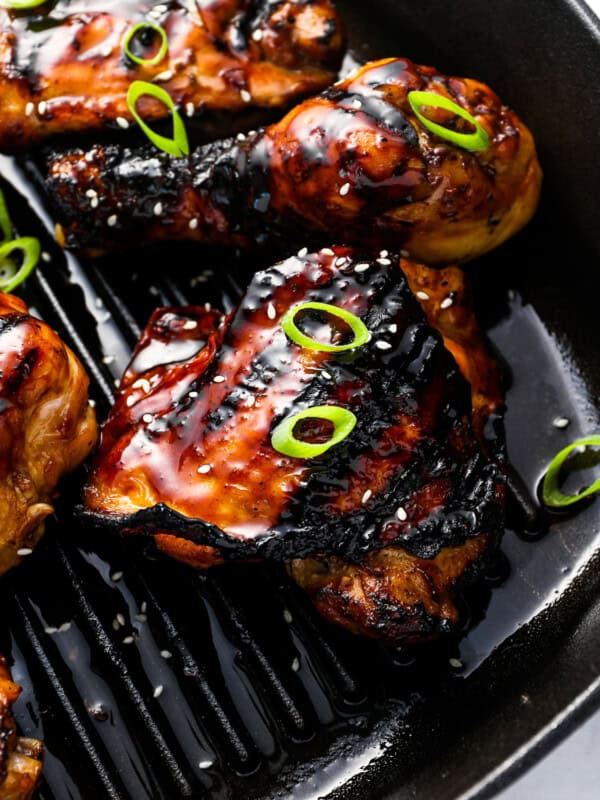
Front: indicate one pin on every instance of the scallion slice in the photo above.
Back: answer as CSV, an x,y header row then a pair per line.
x,y
178,145
478,140
21,5
284,441
551,494
10,275
133,32
5,223
358,327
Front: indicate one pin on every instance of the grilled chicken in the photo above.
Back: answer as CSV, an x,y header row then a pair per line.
x,y
63,68
383,528
20,767
354,163
47,427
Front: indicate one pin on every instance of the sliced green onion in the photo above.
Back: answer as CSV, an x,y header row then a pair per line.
x,y
162,51
478,140
21,5
284,441
551,494
291,330
178,145
10,276
5,223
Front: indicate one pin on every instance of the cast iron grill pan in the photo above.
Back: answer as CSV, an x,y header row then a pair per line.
x,y
148,680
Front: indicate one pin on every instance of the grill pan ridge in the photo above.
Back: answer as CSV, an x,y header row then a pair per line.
x,y
148,680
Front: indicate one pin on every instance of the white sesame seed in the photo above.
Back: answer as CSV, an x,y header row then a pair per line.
x,y
361,267
158,690
91,403
287,615
122,122
327,375
241,137
447,302
385,262
166,654
296,664
366,496
106,51
91,193
257,35
108,359
131,400
207,306
341,261
193,224
303,252
393,328
142,384
422,296
164,76
383,254
192,394
141,617
117,382
401,514
344,189
29,109
120,619
204,469
245,95
144,607
24,551
381,345
189,109
112,220
456,663
64,627
205,764
50,629
218,379
158,209
90,156
561,422
42,107
190,324
356,103
271,311
115,624
327,251
94,202
128,640
147,418
116,576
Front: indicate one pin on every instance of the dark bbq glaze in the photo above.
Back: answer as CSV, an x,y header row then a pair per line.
x,y
63,70
354,162
414,445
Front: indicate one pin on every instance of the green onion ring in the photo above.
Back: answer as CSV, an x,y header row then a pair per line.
x,y
22,5
30,248
359,329
5,223
164,44
551,494
284,441
178,145
478,140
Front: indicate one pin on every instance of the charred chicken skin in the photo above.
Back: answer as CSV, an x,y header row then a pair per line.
x,y
47,427
354,163
384,527
20,765
63,69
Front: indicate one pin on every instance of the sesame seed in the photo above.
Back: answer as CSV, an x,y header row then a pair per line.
x,y
193,224
112,220
141,617
456,663
49,629
189,325
94,202
207,306
296,664
447,302
245,95
257,35
193,394
147,418
106,51
91,193
205,764
385,262
366,496
91,403
241,137
361,267
287,615
381,345
344,189
158,209
356,103
383,253
108,359
131,400
128,640
218,379
64,627
24,551
393,328
116,576
42,107
120,619
90,156
158,690
422,296
271,311
164,76
29,109
327,251
142,384
189,109
327,375
340,261
561,422
144,607
122,122
401,514
204,469
303,252
166,654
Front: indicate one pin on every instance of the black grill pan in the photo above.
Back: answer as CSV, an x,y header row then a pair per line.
x,y
148,680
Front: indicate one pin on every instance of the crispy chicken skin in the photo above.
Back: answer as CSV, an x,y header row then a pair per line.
x,y
47,427
20,767
62,67
186,452
353,163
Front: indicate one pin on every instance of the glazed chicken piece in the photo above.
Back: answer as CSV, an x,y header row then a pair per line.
x,y
354,163
47,427
385,527
63,69
20,765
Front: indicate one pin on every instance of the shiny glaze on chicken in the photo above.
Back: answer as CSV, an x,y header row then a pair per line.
x,y
186,453
47,427
20,765
63,70
353,163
